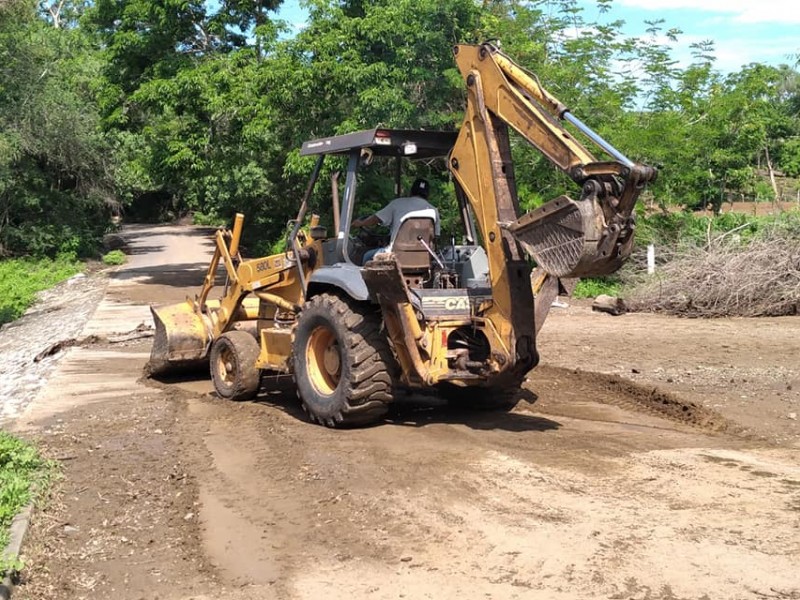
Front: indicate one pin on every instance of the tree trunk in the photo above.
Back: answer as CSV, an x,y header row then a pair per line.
x,y
55,12
771,174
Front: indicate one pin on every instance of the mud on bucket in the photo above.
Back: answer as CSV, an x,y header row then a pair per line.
x,y
181,340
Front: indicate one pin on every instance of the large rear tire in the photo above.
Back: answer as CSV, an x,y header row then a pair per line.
x,y
233,365
343,365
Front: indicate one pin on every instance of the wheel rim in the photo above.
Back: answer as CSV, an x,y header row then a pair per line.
x,y
324,360
226,366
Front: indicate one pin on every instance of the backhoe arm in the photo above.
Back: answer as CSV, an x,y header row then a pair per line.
x,y
592,236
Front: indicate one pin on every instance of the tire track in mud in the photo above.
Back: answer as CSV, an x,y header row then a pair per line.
x,y
613,390
568,385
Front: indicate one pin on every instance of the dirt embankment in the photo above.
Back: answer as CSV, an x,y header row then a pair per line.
x,y
747,370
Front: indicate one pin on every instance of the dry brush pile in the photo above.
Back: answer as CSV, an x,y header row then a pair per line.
x,y
726,278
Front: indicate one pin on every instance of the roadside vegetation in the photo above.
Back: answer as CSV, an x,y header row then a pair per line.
x,y
114,258
199,218
22,278
738,265
24,475
591,287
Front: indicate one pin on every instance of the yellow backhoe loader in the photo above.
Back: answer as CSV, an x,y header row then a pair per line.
x,y
459,320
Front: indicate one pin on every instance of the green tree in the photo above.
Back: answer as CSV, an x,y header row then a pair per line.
x,y
55,182
170,106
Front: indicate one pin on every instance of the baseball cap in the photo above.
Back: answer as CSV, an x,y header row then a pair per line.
x,y
420,187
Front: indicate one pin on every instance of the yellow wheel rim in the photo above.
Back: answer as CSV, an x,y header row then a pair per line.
x,y
226,366
323,360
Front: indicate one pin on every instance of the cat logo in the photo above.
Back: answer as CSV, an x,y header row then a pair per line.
x,y
461,303
454,305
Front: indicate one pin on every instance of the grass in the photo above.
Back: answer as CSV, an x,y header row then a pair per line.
x,y
115,257
24,474
22,278
682,229
591,287
209,220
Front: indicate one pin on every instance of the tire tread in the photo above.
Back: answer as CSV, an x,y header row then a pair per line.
x,y
369,388
247,380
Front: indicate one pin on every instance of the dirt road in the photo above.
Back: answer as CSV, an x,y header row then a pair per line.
x,y
594,487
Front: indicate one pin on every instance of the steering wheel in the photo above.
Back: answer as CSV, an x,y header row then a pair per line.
x,y
370,237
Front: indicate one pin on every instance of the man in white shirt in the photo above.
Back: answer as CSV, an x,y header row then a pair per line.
x,y
392,214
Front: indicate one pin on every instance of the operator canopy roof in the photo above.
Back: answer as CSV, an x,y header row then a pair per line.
x,y
385,142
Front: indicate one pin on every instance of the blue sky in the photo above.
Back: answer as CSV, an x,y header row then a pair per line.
x,y
743,31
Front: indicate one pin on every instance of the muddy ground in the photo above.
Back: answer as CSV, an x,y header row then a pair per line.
x,y
650,457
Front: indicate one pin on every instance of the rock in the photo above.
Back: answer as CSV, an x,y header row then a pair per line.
x,y
792,416
112,241
609,304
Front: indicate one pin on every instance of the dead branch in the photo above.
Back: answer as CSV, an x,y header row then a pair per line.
x,y
761,278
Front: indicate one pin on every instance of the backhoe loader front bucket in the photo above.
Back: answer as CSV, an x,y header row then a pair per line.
x,y
571,239
181,339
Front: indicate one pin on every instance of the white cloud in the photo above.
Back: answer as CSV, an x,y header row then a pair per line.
x,y
733,53
730,54
741,11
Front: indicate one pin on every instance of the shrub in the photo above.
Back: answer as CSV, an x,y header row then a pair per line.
x,y
23,475
22,278
209,220
115,257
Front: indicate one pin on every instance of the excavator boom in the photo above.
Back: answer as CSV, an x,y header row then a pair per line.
x,y
567,238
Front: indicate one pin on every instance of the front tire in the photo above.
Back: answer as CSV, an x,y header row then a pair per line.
x,y
233,365
343,365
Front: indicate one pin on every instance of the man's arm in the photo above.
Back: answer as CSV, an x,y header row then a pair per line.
x,y
368,222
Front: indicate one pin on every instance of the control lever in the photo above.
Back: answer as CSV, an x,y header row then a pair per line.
x,y
430,251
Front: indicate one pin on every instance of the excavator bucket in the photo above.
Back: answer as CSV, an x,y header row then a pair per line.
x,y
181,339
570,239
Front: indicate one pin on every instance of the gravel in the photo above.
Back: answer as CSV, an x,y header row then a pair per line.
x,y
59,313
